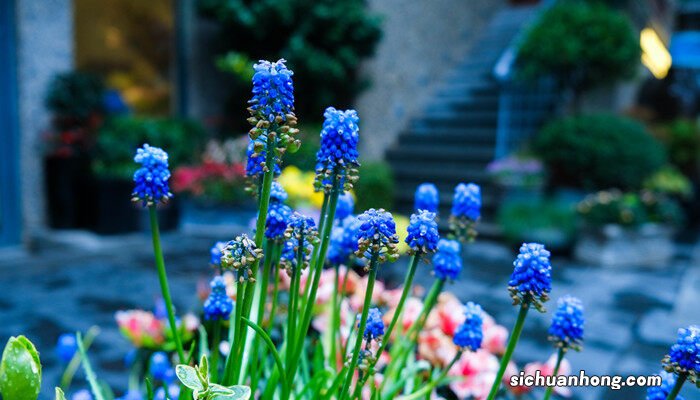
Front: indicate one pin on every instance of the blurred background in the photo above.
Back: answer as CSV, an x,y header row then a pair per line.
x,y
579,119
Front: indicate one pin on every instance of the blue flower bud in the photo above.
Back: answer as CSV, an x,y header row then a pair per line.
x,y
277,218
301,236
375,324
239,255
218,305
344,237
66,347
255,165
427,198
337,155
377,235
159,366
273,91
423,233
668,381
466,210
277,193
684,357
470,334
345,207
151,179
566,330
531,280
447,262
215,253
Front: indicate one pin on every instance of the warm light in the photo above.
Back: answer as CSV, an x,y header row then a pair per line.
x,y
655,56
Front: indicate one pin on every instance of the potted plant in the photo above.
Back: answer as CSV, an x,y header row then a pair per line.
x,y
621,229
113,166
75,101
214,191
518,177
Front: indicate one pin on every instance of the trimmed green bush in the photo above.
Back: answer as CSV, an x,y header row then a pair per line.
x,y
75,95
597,152
376,187
582,45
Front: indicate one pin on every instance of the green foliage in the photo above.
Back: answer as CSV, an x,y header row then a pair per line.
x,y
629,209
376,187
669,181
323,41
581,44
120,136
197,379
20,370
543,221
75,95
599,151
682,138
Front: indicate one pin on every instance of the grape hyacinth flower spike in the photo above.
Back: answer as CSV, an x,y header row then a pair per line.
x,y
447,262
278,216
427,198
344,239
345,207
218,305
469,334
151,179
531,280
374,330
566,331
423,233
277,193
240,254
466,210
66,347
668,382
684,359
215,253
300,236
337,156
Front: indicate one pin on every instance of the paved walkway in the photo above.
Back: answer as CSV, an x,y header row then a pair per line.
x,y
78,281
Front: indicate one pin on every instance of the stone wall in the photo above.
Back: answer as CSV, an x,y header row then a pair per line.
x,y
44,48
422,40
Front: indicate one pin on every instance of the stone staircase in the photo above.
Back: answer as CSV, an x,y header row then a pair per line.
x,y
454,137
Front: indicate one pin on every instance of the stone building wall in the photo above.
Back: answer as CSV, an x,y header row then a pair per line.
x,y
44,48
422,40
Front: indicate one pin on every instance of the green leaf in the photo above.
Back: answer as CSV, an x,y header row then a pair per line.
x,y
189,377
20,370
230,393
60,395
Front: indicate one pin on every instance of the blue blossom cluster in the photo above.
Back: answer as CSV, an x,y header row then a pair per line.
x,y
427,198
277,193
337,156
255,165
447,262
345,207
343,241
239,255
273,91
668,380
301,235
173,393
470,333
160,368
218,305
423,233
531,280
277,218
215,253
151,179
684,356
377,236
82,394
466,210
566,330
375,324
66,347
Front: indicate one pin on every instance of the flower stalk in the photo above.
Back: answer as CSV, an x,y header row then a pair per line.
x,y
680,380
560,357
512,342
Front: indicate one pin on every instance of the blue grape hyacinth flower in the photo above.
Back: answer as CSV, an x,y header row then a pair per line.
x,y
159,366
466,210
668,381
345,207
423,233
427,198
66,347
215,253
344,237
301,235
684,356
375,324
218,305
173,393
377,236
277,193
151,179
531,280
337,156
447,262
256,156
273,91
239,255
566,330
470,333
278,217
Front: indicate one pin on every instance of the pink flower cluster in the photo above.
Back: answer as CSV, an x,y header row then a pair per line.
x,y
144,330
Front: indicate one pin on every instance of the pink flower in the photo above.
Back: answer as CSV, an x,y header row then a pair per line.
x,y
546,369
495,338
478,371
142,328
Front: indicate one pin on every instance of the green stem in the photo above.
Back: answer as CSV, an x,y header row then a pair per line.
x,y
275,289
363,324
427,389
256,369
292,312
680,380
560,357
271,348
89,373
233,357
74,363
163,278
335,318
216,339
512,342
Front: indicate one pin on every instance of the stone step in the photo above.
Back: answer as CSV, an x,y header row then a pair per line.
x,y
438,172
483,102
447,118
441,152
457,136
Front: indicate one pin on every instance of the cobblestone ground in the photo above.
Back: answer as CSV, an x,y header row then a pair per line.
x,y
77,281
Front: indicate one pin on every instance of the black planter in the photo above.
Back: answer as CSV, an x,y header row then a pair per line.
x,y
70,191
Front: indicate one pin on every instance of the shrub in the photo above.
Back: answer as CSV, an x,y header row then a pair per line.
x,y
682,138
629,209
599,151
75,95
582,45
549,221
323,42
375,189
120,136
